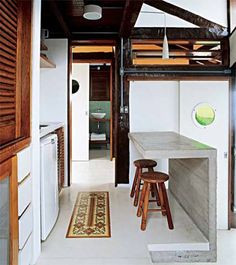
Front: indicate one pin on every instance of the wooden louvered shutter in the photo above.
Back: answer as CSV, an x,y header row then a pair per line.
x,y
15,71
8,57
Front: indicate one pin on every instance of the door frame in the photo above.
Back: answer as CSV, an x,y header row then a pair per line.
x,y
69,108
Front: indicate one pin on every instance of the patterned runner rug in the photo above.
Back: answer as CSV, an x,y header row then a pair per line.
x,y
91,216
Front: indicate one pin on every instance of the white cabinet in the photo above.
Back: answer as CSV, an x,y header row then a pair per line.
x,y
25,255
25,226
24,194
25,210
24,163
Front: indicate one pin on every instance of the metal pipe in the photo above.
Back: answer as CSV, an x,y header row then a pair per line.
x,y
122,75
130,71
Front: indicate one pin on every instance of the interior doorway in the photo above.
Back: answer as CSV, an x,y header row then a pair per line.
x,y
92,111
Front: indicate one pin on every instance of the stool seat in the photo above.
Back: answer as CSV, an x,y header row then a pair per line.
x,y
154,177
145,163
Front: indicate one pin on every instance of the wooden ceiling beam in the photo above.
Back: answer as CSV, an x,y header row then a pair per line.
x,y
176,34
130,15
56,11
188,16
93,55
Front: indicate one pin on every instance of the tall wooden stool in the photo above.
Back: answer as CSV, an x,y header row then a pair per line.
x,y
140,165
156,179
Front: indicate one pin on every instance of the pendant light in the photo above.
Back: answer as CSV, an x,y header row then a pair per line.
x,y
92,12
165,47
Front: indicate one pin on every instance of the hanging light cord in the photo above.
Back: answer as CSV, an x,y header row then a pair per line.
x,y
157,12
164,23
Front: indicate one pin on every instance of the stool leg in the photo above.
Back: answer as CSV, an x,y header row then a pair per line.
x,y
167,207
145,208
134,183
137,188
150,169
161,199
141,201
156,194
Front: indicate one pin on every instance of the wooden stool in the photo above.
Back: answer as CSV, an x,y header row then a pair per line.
x,y
140,165
156,179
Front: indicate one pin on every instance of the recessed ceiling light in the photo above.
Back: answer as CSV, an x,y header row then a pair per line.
x,y
92,12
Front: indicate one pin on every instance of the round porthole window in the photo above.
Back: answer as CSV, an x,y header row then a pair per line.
x,y
203,115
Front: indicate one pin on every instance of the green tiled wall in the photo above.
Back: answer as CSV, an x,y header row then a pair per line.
x,y
104,106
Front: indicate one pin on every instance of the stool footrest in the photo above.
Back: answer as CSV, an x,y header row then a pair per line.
x,y
156,210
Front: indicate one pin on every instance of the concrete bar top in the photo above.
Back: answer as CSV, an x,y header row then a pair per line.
x,y
158,145
192,182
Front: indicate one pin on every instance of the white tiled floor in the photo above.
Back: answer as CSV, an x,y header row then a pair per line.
x,y
128,244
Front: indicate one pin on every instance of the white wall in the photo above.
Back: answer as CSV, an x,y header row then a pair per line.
x,y
35,144
54,87
80,113
232,43
154,106
216,135
200,7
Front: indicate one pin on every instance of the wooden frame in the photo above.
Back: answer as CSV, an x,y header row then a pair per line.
x,y
9,169
70,105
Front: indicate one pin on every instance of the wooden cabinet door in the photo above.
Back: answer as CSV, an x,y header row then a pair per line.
x,y
99,85
9,212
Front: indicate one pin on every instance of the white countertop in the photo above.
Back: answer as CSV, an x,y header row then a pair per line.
x,y
52,126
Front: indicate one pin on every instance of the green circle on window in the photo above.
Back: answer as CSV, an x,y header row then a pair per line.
x,y
204,114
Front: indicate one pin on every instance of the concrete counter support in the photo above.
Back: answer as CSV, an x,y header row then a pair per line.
x,y
192,169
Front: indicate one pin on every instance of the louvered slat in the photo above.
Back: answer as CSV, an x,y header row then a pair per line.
x,y
6,36
7,118
7,18
5,80
7,4
7,99
7,43
8,25
7,106
7,56
7,87
6,93
8,75
8,49
6,68
8,13
7,62
7,31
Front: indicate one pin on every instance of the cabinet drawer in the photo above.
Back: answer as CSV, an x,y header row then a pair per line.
x,y
25,226
24,163
24,194
25,255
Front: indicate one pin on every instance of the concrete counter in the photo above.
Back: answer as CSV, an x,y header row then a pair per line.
x,y
192,170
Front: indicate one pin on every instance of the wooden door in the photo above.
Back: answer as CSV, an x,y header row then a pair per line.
x,y
9,212
80,113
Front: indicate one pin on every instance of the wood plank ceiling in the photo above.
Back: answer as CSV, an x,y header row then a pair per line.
x,y
64,18
56,13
